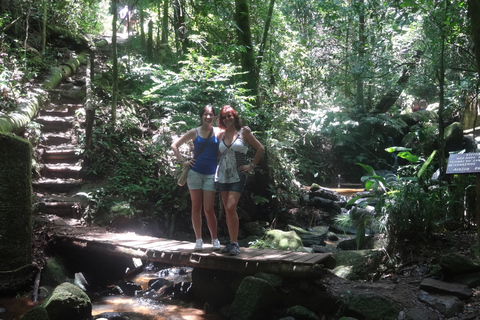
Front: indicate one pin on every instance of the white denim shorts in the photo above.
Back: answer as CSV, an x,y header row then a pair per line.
x,y
197,180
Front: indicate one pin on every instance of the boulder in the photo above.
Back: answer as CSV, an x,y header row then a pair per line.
x,y
68,301
356,264
282,240
455,289
472,280
54,272
215,288
453,137
446,305
301,313
253,300
37,313
455,263
421,314
370,306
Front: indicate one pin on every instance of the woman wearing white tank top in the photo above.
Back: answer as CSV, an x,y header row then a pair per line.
x,y
233,168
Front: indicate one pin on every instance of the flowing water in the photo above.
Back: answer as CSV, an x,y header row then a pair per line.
x,y
148,302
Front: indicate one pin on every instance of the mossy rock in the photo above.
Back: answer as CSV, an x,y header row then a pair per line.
x,y
370,306
356,264
253,299
37,313
301,313
68,301
54,272
283,240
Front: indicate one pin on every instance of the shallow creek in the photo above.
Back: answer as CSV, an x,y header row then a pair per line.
x,y
149,303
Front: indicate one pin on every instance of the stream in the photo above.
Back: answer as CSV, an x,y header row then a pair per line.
x,y
152,304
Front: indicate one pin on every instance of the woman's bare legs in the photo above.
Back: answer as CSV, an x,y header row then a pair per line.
x,y
208,208
196,196
230,202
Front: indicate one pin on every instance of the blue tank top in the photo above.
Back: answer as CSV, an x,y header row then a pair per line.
x,y
206,163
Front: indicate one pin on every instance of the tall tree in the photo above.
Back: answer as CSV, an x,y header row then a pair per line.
x,y
474,16
247,57
114,62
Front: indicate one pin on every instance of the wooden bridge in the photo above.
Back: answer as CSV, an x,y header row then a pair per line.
x,y
181,253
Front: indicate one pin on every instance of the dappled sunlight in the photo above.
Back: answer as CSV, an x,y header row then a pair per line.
x,y
149,307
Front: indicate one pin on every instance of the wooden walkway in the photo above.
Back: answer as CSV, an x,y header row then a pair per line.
x,y
181,253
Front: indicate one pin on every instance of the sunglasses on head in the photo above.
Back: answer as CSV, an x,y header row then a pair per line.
x,y
225,117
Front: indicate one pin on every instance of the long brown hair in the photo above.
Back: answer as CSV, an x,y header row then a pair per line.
x,y
204,109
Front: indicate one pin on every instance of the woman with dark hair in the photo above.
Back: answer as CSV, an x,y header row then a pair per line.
x,y
200,178
233,168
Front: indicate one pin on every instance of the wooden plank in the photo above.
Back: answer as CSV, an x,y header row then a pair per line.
x,y
293,256
314,258
266,254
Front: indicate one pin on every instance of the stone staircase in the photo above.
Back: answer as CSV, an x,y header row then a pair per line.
x,y
59,153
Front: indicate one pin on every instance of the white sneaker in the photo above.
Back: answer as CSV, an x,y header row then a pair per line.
x,y
198,245
216,244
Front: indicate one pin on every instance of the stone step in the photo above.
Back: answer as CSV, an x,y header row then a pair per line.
x,y
61,110
57,185
67,155
55,124
55,139
74,95
61,209
62,171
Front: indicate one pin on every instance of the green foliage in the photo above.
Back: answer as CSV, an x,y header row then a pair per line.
x,y
201,80
407,207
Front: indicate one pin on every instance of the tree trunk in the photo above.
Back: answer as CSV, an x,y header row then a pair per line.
x,y
359,98
142,29
388,100
114,62
150,42
474,15
265,34
245,40
44,27
180,28
165,23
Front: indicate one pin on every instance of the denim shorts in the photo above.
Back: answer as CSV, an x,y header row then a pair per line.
x,y
197,181
235,186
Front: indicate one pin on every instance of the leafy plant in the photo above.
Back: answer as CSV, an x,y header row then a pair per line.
x,y
406,207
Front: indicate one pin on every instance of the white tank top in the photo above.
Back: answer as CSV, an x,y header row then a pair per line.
x,y
233,156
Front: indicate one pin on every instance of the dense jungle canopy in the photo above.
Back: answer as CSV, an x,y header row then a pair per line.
x,y
327,86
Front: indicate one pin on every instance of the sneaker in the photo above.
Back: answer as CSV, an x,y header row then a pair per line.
x,y
226,249
234,249
216,244
198,245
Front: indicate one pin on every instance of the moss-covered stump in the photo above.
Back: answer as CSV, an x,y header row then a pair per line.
x,y
15,213
68,301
